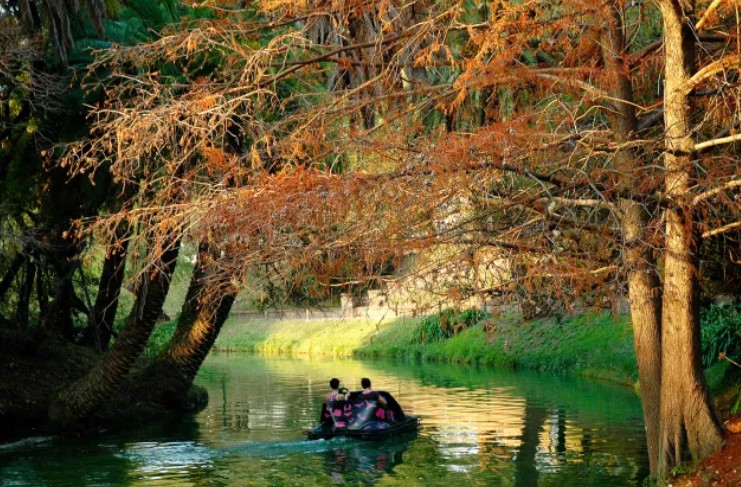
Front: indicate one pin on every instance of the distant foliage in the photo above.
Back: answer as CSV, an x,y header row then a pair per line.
x,y
448,323
160,338
721,332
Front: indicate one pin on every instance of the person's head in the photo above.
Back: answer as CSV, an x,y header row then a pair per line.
x,y
334,383
365,382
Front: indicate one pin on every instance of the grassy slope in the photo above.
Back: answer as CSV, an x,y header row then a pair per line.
x,y
325,337
592,344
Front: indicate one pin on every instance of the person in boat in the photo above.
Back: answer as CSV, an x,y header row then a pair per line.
x,y
336,394
369,393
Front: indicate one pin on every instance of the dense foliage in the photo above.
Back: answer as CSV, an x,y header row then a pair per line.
x,y
556,154
721,332
448,323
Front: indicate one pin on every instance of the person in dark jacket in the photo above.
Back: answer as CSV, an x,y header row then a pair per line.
x,y
369,393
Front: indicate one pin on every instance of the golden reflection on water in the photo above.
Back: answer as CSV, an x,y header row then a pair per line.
x,y
492,422
480,427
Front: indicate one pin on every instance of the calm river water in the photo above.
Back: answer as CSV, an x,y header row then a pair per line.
x,y
480,427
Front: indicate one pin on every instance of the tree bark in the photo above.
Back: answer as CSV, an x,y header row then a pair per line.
x,y
9,276
204,312
643,279
78,400
645,312
109,290
689,425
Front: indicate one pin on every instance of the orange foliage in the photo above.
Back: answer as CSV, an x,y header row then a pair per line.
x,y
357,131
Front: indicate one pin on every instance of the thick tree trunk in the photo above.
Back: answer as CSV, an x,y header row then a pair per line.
x,y
643,279
645,314
204,312
109,289
689,425
78,400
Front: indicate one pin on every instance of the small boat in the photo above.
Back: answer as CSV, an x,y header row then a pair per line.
x,y
363,418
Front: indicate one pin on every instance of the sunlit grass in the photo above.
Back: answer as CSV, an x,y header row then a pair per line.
x,y
593,344
321,337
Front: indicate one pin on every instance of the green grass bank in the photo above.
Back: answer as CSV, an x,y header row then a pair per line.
x,y
594,344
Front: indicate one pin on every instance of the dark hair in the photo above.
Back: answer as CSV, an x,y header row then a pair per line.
x,y
334,383
365,382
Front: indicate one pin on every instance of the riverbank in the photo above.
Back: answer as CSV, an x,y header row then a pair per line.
x,y
593,344
36,366
722,469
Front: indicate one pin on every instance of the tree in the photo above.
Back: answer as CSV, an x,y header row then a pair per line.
x,y
76,401
689,423
204,312
271,167
43,114
643,279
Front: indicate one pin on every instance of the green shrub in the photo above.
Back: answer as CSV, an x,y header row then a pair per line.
x,y
448,323
720,332
735,406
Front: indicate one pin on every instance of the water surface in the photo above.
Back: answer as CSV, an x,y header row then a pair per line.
x,y
480,427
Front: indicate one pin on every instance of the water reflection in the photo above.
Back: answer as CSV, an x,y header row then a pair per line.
x,y
365,462
480,427
482,423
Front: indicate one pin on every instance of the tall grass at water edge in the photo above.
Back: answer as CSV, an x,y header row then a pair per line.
x,y
593,344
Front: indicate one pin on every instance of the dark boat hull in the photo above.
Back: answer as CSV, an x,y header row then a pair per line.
x,y
407,425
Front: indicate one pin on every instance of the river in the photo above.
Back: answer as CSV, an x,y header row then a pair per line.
x,y
480,427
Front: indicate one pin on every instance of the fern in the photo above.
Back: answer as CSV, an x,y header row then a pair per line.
x,y
126,31
172,9
720,332
81,52
155,15
529,58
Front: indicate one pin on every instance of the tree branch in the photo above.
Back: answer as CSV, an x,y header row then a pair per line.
x,y
710,70
723,229
712,192
708,12
713,142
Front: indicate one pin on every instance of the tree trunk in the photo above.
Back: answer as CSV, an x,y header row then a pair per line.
x,y
40,292
109,289
7,280
24,296
204,312
689,427
78,400
643,279
59,318
645,314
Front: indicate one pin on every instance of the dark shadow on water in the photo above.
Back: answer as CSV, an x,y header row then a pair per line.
x,y
105,459
526,473
365,462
